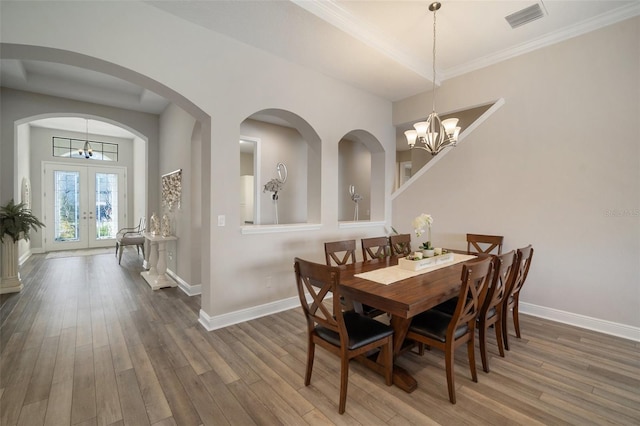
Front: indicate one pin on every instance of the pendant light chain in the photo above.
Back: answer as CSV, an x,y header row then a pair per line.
x,y
434,62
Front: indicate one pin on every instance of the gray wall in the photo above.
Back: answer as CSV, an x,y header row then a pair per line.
x,y
558,167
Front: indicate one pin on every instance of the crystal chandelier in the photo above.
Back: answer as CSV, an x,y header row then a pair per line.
x,y
435,134
86,151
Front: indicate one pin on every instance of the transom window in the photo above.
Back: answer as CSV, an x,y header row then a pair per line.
x,y
72,148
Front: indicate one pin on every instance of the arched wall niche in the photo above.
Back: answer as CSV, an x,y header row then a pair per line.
x,y
361,159
283,138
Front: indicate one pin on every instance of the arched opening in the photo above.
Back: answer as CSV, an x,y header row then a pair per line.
x,y
360,177
280,169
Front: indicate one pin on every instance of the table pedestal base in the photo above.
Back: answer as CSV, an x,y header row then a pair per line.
x,y
158,281
156,276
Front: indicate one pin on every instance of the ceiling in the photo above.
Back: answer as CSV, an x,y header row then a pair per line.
x,y
383,47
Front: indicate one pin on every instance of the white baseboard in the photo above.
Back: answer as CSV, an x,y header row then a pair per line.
x,y
582,321
602,326
224,320
188,289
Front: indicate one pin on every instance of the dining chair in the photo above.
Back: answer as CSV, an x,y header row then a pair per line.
x,y
484,244
512,299
130,237
338,253
400,244
504,268
345,334
447,332
375,248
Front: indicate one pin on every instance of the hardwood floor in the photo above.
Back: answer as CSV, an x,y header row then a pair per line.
x,y
87,342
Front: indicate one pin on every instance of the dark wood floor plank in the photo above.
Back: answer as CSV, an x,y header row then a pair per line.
x,y
33,414
229,405
83,406
154,399
133,409
181,405
107,396
59,403
40,384
208,410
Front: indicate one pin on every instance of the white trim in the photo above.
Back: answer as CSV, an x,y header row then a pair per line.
x,y
582,321
188,289
271,229
25,256
225,320
496,106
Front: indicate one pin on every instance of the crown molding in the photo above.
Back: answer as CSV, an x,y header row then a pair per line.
x,y
581,28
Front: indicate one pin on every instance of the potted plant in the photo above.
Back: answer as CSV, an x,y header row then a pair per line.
x,y
16,221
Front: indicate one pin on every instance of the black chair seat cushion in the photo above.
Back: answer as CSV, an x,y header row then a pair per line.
x,y
433,324
362,331
448,307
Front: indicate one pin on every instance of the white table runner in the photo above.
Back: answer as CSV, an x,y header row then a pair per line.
x,y
393,274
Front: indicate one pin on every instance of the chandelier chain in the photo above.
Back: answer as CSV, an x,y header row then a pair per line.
x,y
434,62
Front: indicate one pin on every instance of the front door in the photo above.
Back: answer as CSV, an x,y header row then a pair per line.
x,y
84,206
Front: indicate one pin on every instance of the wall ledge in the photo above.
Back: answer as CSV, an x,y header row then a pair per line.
x,y
270,229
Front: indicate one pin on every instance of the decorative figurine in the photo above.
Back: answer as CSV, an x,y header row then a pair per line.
x,y
155,224
166,226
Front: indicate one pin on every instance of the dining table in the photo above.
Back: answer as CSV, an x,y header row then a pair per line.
x,y
402,299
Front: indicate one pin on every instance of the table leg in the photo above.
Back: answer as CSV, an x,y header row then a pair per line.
x,y
401,377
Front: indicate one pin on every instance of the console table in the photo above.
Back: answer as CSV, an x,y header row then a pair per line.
x,y
157,276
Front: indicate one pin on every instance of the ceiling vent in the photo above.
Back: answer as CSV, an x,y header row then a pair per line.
x,y
525,15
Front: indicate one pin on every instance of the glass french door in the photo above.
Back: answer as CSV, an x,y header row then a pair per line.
x,y
85,206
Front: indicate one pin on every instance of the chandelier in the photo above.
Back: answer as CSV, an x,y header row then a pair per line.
x,y
435,134
86,151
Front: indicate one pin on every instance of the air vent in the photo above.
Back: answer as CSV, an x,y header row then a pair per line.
x,y
525,15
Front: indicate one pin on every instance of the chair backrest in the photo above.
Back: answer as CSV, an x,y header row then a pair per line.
x,y
320,282
504,272
375,248
477,243
400,244
523,262
338,253
476,277
142,225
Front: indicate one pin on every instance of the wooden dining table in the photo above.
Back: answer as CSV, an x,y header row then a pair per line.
x,y
402,300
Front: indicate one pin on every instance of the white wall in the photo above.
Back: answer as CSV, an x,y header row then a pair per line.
x,y
281,145
558,167
354,169
219,77
176,128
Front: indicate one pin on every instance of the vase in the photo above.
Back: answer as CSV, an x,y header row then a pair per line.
x,y
10,281
428,253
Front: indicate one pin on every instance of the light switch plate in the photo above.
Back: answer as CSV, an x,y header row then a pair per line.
x,y
221,220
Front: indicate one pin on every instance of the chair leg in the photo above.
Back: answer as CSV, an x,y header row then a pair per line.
x,y
472,358
311,349
449,362
483,347
499,337
344,381
516,318
120,257
117,245
505,331
142,248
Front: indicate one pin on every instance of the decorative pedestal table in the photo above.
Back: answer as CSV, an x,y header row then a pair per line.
x,y
157,276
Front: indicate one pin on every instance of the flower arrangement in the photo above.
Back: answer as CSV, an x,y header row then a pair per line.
x,y
419,224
